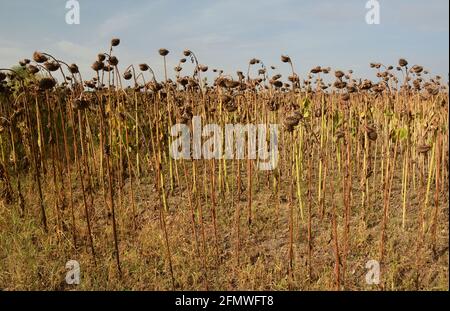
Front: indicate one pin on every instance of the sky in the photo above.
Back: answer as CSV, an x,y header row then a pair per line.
x,y
226,34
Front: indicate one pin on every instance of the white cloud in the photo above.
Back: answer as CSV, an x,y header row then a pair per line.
x,y
116,24
73,50
125,20
11,53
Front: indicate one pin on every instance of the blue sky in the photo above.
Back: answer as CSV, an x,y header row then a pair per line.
x,y
225,34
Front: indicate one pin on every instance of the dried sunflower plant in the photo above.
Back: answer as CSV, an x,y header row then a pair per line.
x,y
248,181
